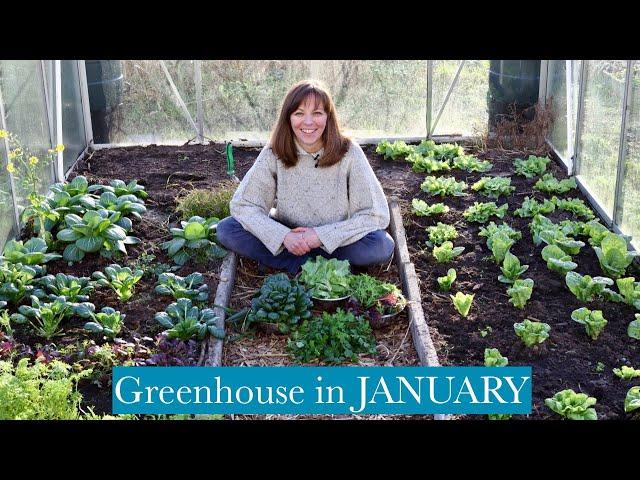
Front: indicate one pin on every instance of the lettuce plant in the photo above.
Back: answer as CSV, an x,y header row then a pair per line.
x,y
280,301
626,373
481,212
575,206
633,330
427,164
16,282
511,268
557,260
446,281
73,288
96,231
632,400
332,338
593,321
447,151
520,292
613,255
185,321
326,279
532,333
586,288
446,252
392,151
443,186
630,290
492,229
532,166
462,302
494,187
192,286
596,232
499,244
107,322
471,164
423,209
120,279
196,238
572,405
550,184
441,233
531,207
493,358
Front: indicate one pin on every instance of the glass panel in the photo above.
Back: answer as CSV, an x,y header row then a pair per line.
x,y
466,110
242,99
557,97
6,204
148,111
630,201
72,119
600,134
26,115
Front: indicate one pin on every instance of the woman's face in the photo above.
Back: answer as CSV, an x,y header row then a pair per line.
x,y
308,122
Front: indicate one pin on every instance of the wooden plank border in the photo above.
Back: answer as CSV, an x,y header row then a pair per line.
x,y
419,329
213,355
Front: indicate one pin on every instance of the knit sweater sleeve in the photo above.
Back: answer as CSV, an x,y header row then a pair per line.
x,y
253,200
368,209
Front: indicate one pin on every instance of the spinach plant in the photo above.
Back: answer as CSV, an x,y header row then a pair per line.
x,y
120,279
280,301
332,338
195,239
192,286
184,321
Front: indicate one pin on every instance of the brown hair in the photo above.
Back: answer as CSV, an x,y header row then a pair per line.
x,y
282,138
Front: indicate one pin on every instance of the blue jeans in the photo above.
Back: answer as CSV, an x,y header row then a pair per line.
x,y
375,247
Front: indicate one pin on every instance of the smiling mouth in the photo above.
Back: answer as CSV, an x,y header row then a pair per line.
x,y
308,132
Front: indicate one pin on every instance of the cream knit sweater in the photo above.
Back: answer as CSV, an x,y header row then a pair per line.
x,y
342,202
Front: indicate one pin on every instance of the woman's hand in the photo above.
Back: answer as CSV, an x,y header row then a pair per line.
x,y
295,243
310,236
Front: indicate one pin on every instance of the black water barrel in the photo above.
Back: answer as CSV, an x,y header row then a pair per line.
x,y
512,82
105,84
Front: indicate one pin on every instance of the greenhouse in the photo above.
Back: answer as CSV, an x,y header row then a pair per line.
x,y
510,198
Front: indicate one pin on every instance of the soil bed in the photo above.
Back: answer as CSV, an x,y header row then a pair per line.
x,y
568,358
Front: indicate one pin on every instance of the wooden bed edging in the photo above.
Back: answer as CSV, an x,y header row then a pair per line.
x,y
213,357
419,329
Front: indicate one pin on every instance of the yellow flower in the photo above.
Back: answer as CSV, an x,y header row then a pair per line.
x,y
3,133
33,161
11,168
59,147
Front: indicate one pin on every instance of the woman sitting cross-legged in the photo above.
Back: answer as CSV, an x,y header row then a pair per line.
x,y
327,198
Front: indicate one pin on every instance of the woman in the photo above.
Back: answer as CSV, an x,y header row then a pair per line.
x,y
329,201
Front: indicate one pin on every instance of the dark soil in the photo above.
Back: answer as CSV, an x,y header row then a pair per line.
x,y
568,358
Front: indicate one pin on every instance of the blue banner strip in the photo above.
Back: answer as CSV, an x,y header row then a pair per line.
x,y
321,390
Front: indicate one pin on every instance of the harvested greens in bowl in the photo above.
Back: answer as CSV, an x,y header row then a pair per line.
x,y
326,279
